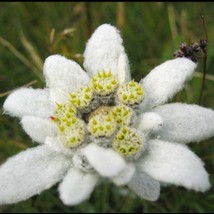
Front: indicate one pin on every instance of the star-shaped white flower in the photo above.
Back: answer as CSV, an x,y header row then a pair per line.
x,y
106,126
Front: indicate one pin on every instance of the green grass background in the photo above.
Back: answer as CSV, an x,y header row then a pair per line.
x,y
151,33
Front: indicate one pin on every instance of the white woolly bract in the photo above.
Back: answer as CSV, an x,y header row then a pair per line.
x,y
63,76
77,186
150,122
124,176
145,186
29,102
55,144
106,162
38,128
123,69
165,80
174,163
186,123
105,51
30,172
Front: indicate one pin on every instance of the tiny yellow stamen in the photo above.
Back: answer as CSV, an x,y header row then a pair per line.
x,y
122,114
104,83
130,93
102,125
64,111
82,97
127,142
72,132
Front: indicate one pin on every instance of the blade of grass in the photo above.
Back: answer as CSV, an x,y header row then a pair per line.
x,y
21,57
32,51
26,85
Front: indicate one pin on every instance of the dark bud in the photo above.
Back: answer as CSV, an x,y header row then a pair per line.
x,y
203,43
195,47
178,53
183,46
193,58
188,52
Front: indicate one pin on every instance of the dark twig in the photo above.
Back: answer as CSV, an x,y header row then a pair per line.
x,y
203,44
88,19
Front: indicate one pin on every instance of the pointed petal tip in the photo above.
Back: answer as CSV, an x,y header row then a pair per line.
x,y
63,76
165,80
28,101
174,163
179,117
105,51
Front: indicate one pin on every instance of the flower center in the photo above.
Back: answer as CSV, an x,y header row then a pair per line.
x,y
130,93
102,112
122,114
127,142
101,122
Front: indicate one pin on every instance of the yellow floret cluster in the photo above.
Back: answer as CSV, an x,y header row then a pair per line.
x,y
130,93
82,97
127,142
112,120
104,83
71,129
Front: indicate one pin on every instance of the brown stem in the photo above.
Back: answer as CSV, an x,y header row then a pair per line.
x,y
203,79
205,63
120,15
88,19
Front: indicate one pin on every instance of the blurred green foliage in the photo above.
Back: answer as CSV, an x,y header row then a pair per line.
x,y
30,32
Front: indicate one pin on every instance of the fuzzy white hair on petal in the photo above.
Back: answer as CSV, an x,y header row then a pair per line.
x,y
105,51
29,102
165,80
174,163
106,162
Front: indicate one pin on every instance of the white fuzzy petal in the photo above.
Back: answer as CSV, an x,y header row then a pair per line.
x,y
55,144
30,172
29,102
63,76
123,69
77,186
186,123
165,80
38,128
125,176
106,162
145,186
150,122
174,163
105,51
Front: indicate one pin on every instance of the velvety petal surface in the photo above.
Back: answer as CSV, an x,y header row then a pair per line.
x,y
145,186
63,76
165,80
30,172
77,186
38,128
29,102
185,123
105,51
106,162
174,163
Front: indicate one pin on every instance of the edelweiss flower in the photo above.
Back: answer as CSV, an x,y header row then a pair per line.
x,y
106,126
